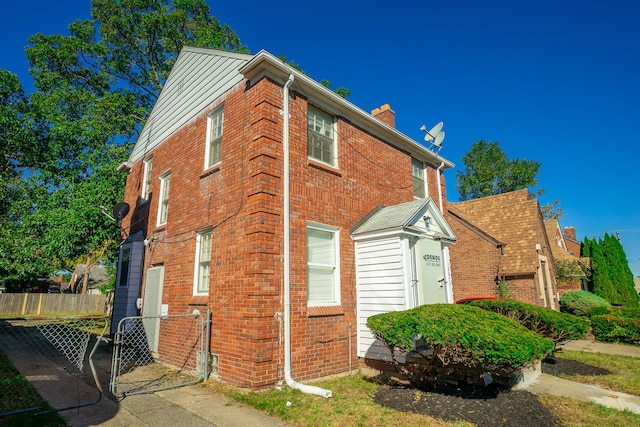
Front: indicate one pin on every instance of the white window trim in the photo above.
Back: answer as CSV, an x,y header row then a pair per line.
x,y
336,281
334,146
196,272
146,179
424,179
163,180
215,112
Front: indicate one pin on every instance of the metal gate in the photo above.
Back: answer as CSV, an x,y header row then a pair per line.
x,y
43,364
182,356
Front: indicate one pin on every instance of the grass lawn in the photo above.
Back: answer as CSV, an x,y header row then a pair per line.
x,y
352,402
16,393
625,370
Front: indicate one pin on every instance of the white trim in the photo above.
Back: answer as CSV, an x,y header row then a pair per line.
x,y
207,151
196,269
336,267
146,178
334,137
164,179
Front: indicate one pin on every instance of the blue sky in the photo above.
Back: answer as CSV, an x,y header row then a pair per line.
x,y
553,81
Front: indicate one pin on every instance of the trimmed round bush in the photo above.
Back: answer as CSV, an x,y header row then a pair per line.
x,y
548,323
458,340
583,303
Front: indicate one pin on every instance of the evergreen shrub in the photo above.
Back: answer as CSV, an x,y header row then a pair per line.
x,y
558,327
583,303
611,328
458,340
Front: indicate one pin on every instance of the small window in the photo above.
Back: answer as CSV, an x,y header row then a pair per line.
x,y
321,136
418,178
163,207
146,179
323,272
213,150
124,267
203,263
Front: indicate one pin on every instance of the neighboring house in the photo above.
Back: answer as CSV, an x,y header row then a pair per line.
x,y
287,211
502,237
98,276
572,245
636,281
569,268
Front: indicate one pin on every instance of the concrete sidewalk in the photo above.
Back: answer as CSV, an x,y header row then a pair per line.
x,y
545,383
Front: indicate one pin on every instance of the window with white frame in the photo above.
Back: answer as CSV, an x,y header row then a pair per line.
x,y
323,269
213,151
203,263
163,205
321,135
418,178
146,179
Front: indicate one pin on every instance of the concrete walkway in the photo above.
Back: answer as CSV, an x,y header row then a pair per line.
x,y
545,383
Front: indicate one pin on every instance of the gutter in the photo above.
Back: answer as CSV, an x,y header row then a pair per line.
x,y
287,259
439,186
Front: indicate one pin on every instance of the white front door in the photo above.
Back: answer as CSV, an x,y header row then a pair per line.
x,y
152,305
430,278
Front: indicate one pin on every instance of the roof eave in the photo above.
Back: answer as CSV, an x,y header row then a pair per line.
x,y
264,63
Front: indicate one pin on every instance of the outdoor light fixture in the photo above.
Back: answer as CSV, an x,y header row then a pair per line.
x,y
427,220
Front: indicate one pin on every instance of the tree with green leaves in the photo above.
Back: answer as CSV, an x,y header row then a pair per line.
x,y
611,276
488,171
94,88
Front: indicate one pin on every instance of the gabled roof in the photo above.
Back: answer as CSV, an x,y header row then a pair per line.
x,y
556,240
408,218
200,76
511,218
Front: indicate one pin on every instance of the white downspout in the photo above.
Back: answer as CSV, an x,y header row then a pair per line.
x,y
287,260
439,186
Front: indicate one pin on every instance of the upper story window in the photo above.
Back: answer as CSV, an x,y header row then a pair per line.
x,y
213,151
203,263
321,136
419,189
163,204
146,179
323,267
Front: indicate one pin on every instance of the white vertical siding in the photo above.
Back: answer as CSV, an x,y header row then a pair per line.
x,y
381,283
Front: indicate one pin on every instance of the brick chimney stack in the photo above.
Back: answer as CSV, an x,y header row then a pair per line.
x,y
569,232
385,114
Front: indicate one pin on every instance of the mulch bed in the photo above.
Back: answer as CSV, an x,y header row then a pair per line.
x,y
483,406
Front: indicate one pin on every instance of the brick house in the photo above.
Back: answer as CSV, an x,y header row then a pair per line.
x,y
502,237
565,250
287,211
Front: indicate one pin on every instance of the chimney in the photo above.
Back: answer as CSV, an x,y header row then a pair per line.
x,y
385,114
569,232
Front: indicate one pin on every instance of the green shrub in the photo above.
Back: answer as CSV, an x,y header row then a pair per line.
x,y
458,340
627,313
610,328
558,327
583,303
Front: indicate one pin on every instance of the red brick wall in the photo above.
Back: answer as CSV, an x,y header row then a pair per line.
x,y
243,202
474,263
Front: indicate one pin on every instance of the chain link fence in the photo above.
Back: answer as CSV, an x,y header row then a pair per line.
x,y
46,365
153,353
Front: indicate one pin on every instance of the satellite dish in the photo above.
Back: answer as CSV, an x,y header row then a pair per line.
x,y
120,210
431,135
435,136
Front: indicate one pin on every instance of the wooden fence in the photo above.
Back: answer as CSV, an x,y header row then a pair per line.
x,y
29,304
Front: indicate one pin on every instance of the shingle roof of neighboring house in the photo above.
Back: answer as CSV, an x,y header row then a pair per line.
x,y
558,248
511,218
